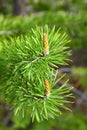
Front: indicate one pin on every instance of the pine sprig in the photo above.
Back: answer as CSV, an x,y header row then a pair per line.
x,y
27,70
45,106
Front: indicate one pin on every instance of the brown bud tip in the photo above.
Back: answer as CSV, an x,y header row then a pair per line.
x,y
46,46
47,87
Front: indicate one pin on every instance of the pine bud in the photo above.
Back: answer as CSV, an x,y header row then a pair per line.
x,y
46,46
47,87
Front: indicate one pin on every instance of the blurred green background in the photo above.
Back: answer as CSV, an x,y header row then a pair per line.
x,y
18,17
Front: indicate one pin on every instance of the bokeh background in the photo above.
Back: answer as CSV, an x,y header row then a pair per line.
x,y
18,17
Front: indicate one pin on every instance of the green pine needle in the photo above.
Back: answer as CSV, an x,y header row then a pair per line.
x,y
24,67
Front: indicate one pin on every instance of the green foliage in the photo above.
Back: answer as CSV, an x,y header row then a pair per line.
x,y
24,68
21,122
73,24
20,89
80,74
67,121
40,6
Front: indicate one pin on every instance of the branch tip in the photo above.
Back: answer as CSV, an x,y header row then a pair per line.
x,y
46,46
47,87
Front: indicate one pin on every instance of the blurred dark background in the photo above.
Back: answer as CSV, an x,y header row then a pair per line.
x,y
18,17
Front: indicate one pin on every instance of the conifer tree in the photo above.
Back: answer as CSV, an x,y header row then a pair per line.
x,y
28,73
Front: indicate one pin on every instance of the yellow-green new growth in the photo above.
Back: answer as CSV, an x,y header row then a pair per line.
x,y
46,46
47,87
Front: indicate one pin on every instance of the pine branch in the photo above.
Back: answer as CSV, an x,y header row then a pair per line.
x,y
27,73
